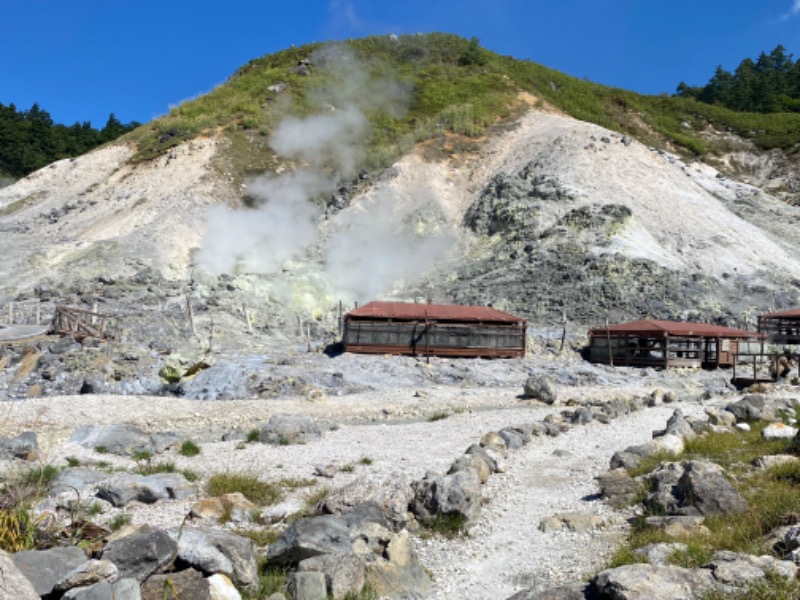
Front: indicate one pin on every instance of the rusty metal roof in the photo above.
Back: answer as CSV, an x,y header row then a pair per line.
x,y
407,311
658,328
792,312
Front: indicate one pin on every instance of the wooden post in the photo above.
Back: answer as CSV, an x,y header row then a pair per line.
x,y
563,331
608,343
190,314
247,318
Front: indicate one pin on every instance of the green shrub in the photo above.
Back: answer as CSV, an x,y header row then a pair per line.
x,y
256,491
189,448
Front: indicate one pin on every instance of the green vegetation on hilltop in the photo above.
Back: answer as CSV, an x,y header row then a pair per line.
x,y
454,86
29,139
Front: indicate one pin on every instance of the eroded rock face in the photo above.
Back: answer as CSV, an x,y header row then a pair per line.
x,y
289,429
654,582
13,583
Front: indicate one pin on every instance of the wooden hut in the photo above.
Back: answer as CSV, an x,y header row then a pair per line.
x,y
433,330
781,327
655,343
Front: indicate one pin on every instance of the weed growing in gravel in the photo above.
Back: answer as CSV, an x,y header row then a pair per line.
x,y
189,448
438,416
365,460
294,484
142,455
73,461
270,581
257,491
118,522
449,525
101,449
772,587
252,436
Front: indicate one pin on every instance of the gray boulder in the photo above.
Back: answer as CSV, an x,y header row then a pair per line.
x,y
619,488
127,487
45,568
123,589
392,493
473,462
310,537
540,387
397,572
739,570
458,493
344,573
76,478
659,554
652,582
289,429
218,551
480,451
662,481
633,455
753,407
576,591
678,425
121,439
513,439
704,486
142,553
23,446
13,583
307,585
89,573
188,583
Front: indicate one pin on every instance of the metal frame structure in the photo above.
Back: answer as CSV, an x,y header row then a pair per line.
x,y
657,343
782,327
434,330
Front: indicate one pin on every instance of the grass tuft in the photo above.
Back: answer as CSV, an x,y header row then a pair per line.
x,y
256,491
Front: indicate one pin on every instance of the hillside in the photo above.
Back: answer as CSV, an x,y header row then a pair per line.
x,y
416,167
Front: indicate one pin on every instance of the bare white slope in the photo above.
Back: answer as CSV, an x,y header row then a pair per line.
x,y
679,219
97,214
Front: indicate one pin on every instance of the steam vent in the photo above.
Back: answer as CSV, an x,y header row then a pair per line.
x,y
434,330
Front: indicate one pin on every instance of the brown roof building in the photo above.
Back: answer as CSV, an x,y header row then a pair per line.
x,y
434,330
669,344
782,327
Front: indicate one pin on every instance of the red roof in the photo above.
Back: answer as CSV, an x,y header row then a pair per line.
x,y
407,311
656,328
792,312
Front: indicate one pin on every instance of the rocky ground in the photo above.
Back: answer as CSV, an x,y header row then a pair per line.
x,y
413,416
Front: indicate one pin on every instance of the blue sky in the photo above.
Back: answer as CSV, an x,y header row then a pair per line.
x,y
83,59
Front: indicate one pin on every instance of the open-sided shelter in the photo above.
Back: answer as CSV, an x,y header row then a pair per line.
x,y
782,327
434,330
657,343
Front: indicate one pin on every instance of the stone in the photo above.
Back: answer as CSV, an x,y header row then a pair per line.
x,y
180,585
221,588
576,522
23,446
127,487
774,460
678,525
76,478
540,387
45,568
307,585
652,582
13,583
310,537
124,589
142,553
659,554
739,570
704,486
513,440
392,493
234,506
619,488
752,407
722,418
494,441
479,451
289,429
474,462
121,439
633,455
778,431
457,493
576,591
344,573
87,574
398,573
218,551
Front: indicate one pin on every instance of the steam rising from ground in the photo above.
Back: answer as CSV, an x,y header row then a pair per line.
x,y
371,246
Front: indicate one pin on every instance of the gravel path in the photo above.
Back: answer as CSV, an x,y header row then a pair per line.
x,y
504,551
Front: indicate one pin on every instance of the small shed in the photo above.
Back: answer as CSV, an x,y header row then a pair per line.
x,y
434,330
782,327
657,343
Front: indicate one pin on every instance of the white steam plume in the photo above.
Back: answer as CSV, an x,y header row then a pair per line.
x,y
261,240
384,245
